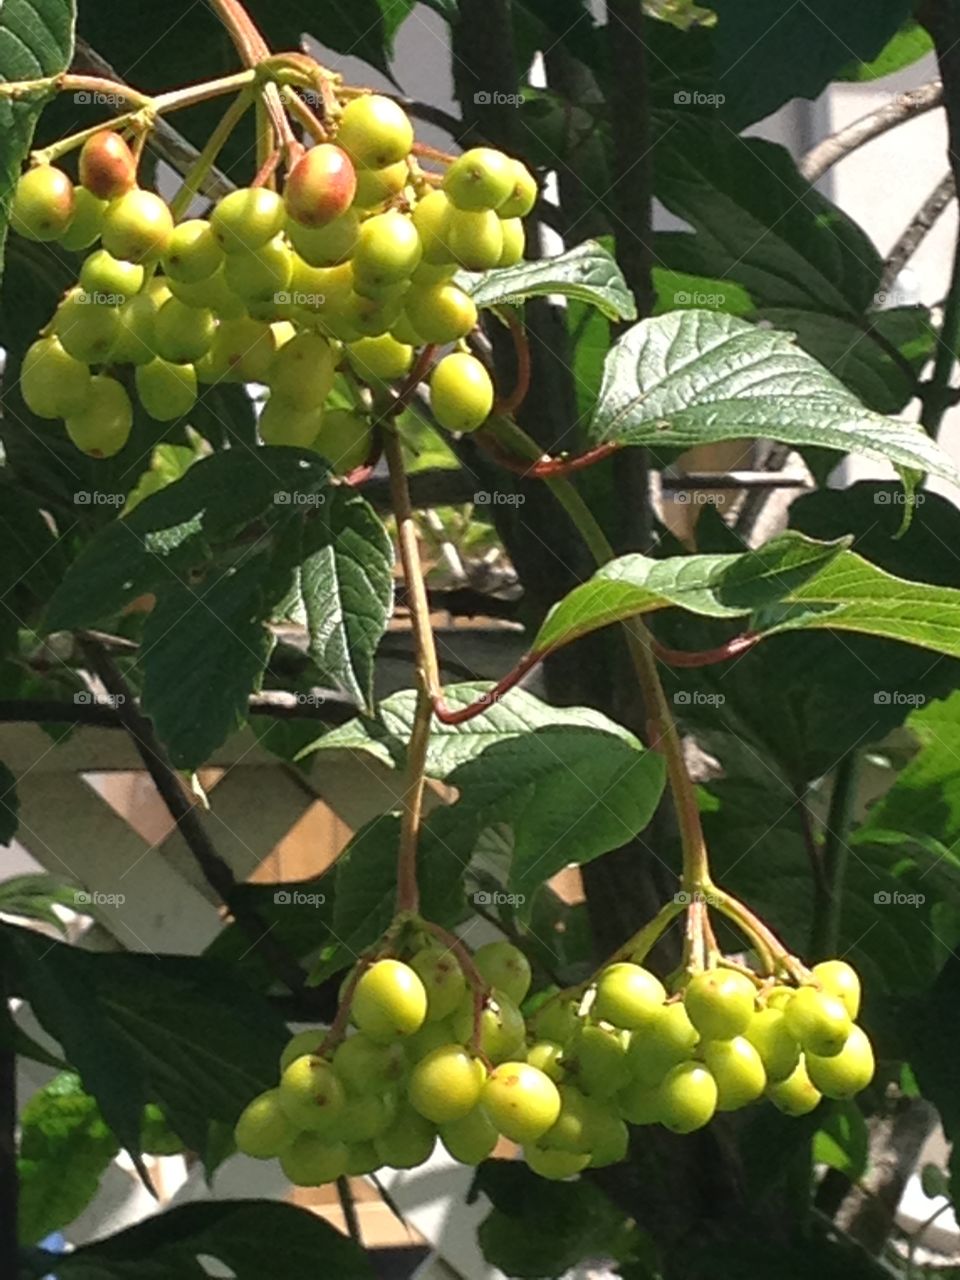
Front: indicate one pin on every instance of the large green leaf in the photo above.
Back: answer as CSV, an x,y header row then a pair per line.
x,y
696,376
911,43
588,272
139,1028
65,1147
567,783
36,40
792,583
246,1236
762,59
345,590
34,896
756,221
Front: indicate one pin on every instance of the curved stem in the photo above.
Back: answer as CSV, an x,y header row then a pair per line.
x,y
707,657
511,403
479,986
204,162
826,923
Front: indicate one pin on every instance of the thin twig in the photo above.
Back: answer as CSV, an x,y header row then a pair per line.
x,y
922,223
905,106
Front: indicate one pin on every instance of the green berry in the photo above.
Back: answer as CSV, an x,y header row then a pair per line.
x,y
312,1161
438,968
523,197
472,1138
363,1065
135,341
461,393
87,221
389,1001
408,1142
797,1095
52,382
778,1049
609,1139
260,274
431,217
440,313
388,250
571,1131
687,1097
212,294
43,203
167,391
246,348
371,317
505,967
194,253
628,996
669,1040
311,1093
264,1130
597,1057
320,187
102,426
304,1042
86,330
328,245
819,1021
552,1164
183,333
475,238
376,186
382,359
548,1057
247,218
303,371
848,1071
737,1068
363,1159
480,179
640,1103
136,226
109,281
555,1020
284,424
345,439
839,979
514,242
446,1084
502,1028
521,1101
375,131
364,1117
720,1003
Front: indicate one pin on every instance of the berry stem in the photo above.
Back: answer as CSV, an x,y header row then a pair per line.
x,y
479,987
771,951
428,675
836,850
508,405
74,84
193,178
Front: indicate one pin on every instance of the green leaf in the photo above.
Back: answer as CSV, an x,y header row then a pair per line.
x,y
34,896
758,222
36,40
242,1235
541,1228
911,43
173,535
756,58
567,783
65,1148
345,582
204,651
693,377
588,272
842,1140
32,561
176,1030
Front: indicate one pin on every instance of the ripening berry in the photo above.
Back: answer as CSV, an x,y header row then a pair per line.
x,y
136,226
167,391
389,1001
461,393
43,203
102,427
481,178
311,1094
52,382
320,186
375,131
247,218
521,1101
446,1084
107,167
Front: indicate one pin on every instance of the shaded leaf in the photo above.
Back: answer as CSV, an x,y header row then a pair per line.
x,y
588,272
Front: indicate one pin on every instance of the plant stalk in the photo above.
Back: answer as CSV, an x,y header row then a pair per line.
x,y
193,179
836,852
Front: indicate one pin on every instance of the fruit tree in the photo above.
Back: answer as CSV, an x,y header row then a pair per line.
x,y
296,366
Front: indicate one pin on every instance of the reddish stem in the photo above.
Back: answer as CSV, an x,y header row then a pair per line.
x,y
432,153
546,468
460,715
508,405
267,169
360,475
707,657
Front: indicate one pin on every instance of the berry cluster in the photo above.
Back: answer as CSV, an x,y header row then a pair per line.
x,y
431,1057
350,268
